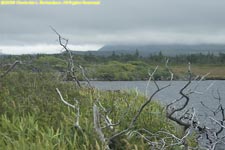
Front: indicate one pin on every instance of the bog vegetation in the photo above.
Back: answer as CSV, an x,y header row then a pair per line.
x,y
32,115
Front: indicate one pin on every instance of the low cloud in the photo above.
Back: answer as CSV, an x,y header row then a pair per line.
x,y
43,48
114,22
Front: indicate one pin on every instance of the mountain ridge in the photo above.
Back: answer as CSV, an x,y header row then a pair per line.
x,y
152,49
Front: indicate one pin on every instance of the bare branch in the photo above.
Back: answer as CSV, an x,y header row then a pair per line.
x,y
217,122
167,67
77,120
149,80
143,105
10,69
84,75
97,127
71,70
174,110
214,112
65,102
76,107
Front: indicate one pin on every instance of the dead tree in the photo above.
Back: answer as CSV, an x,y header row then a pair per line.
x,y
109,142
177,111
186,118
207,137
71,71
102,121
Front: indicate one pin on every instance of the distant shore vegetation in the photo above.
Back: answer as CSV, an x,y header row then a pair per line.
x,y
124,67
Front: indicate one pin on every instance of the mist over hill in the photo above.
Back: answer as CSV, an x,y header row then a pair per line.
x,y
166,49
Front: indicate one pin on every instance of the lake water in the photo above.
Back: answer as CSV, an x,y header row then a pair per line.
x,y
205,92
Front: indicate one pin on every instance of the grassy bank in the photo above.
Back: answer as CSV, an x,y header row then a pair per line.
x,y
32,116
137,70
217,72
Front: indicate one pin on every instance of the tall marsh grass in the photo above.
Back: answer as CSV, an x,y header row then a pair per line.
x,y
32,115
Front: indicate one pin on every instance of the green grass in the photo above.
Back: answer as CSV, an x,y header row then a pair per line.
x,y
32,116
216,71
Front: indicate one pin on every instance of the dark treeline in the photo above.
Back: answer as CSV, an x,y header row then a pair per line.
x,y
159,58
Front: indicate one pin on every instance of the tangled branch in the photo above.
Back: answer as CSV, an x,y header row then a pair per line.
x,y
71,69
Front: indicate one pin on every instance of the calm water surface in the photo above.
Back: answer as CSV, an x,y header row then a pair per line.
x,y
208,88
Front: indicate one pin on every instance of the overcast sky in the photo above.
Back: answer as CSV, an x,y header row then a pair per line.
x,y
25,29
